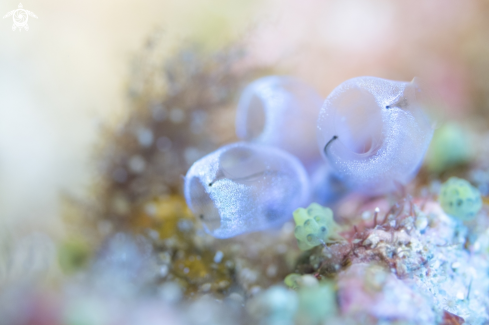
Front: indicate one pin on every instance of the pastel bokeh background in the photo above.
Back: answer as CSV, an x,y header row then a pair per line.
x,y
69,73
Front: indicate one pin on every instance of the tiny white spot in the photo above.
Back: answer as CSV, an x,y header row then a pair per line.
x,y
218,257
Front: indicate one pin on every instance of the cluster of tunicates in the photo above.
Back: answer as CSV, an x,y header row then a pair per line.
x,y
368,136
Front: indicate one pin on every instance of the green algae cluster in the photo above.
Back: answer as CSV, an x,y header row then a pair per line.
x,y
460,199
314,226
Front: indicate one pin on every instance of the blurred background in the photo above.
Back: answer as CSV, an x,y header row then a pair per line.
x,y
69,74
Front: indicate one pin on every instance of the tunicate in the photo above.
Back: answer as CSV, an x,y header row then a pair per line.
x,y
281,112
244,187
374,133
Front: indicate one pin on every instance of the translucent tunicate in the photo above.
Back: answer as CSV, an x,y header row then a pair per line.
x,y
374,133
281,112
245,187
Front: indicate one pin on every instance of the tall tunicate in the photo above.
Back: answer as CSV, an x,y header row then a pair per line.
x,y
374,133
281,112
245,187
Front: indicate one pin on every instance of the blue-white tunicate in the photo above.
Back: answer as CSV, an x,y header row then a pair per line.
x,y
244,187
281,112
373,133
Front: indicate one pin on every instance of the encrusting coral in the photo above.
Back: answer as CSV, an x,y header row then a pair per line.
x,y
422,257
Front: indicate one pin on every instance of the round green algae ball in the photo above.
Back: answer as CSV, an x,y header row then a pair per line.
x,y
314,226
450,146
460,199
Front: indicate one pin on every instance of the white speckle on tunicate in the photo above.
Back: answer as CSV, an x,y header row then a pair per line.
x,y
186,270
137,164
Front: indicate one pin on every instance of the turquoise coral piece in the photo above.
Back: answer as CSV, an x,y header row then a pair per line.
x,y
460,199
314,226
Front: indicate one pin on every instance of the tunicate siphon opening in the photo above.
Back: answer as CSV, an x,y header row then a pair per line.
x,y
358,121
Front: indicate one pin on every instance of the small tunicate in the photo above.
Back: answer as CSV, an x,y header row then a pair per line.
x,y
281,112
245,187
374,133
460,199
314,226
